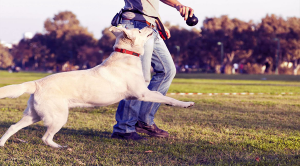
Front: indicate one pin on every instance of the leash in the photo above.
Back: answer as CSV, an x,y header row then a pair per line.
x,y
159,24
127,52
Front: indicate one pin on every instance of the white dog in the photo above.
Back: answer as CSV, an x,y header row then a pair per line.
x,y
119,77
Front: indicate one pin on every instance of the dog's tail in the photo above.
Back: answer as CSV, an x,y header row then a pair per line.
x,y
13,91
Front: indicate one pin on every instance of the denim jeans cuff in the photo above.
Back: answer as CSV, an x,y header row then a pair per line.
x,y
124,131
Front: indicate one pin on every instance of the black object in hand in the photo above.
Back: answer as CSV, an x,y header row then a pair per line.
x,y
192,21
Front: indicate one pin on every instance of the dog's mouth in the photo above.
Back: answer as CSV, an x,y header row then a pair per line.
x,y
150,34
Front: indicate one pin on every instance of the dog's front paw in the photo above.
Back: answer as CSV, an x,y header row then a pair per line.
x,y
1,143
188,104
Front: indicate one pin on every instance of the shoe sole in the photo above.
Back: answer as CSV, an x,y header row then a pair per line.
x,y
140,130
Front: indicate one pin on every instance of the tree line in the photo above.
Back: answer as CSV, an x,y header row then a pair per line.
x,y
272,45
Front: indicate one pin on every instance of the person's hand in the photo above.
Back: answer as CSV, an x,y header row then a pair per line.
x,y
168,32
184,11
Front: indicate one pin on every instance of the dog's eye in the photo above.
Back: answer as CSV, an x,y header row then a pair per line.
x,y
140,31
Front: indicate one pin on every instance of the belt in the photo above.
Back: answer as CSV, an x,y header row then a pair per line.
x,y
144,21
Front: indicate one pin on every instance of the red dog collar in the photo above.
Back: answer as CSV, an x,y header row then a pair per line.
x,y
127,52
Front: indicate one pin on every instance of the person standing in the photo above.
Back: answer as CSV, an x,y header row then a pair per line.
x,y
134,116
235,67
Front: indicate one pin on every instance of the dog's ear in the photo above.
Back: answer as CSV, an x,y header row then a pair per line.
x,y
116,31
119,30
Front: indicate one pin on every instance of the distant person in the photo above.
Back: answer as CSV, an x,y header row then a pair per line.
x,y
17,69
186,68
13,68
235,67
267,64
10,70
222,69
135,116
241,68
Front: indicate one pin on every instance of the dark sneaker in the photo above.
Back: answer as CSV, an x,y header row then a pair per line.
x,y
129,136
152,130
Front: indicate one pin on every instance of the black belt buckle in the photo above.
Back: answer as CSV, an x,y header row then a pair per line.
x,y
123,51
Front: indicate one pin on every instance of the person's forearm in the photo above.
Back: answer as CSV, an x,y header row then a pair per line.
x,y
185,11
172,3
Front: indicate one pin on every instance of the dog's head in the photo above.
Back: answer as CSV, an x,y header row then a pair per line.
x,y
131,39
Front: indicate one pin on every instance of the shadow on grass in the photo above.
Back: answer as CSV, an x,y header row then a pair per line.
x,y
98,146
63,131
272,118
218,115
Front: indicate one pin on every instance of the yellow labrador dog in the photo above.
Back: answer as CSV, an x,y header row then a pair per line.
x,y
119,77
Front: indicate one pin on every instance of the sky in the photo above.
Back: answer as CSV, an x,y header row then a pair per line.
x,y
20,16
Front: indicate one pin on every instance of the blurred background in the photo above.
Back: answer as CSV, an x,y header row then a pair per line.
x,y
232,36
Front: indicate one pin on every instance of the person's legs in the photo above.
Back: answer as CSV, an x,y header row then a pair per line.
x,y
165,71
128,110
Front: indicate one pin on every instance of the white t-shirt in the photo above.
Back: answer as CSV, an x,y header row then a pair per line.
x,y
235,66
148,7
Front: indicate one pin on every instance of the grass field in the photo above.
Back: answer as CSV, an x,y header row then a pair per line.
x,y
218,130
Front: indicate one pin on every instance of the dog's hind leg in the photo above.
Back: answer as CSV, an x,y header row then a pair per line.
x,y
30,116
154,96
54,123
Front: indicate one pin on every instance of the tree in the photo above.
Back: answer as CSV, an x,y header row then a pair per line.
x,y
269,29
6,59
65,41
293,42
106,42
89,56
22,53
62,23
236,37
275,29
65,37
180,42
33,53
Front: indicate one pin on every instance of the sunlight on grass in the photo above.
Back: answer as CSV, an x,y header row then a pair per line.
x,y
218,130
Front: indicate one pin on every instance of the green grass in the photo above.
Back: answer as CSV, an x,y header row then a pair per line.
x,y
218,130
232,86
239,77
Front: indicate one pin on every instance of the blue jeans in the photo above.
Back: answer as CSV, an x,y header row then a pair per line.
x,y
158,56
